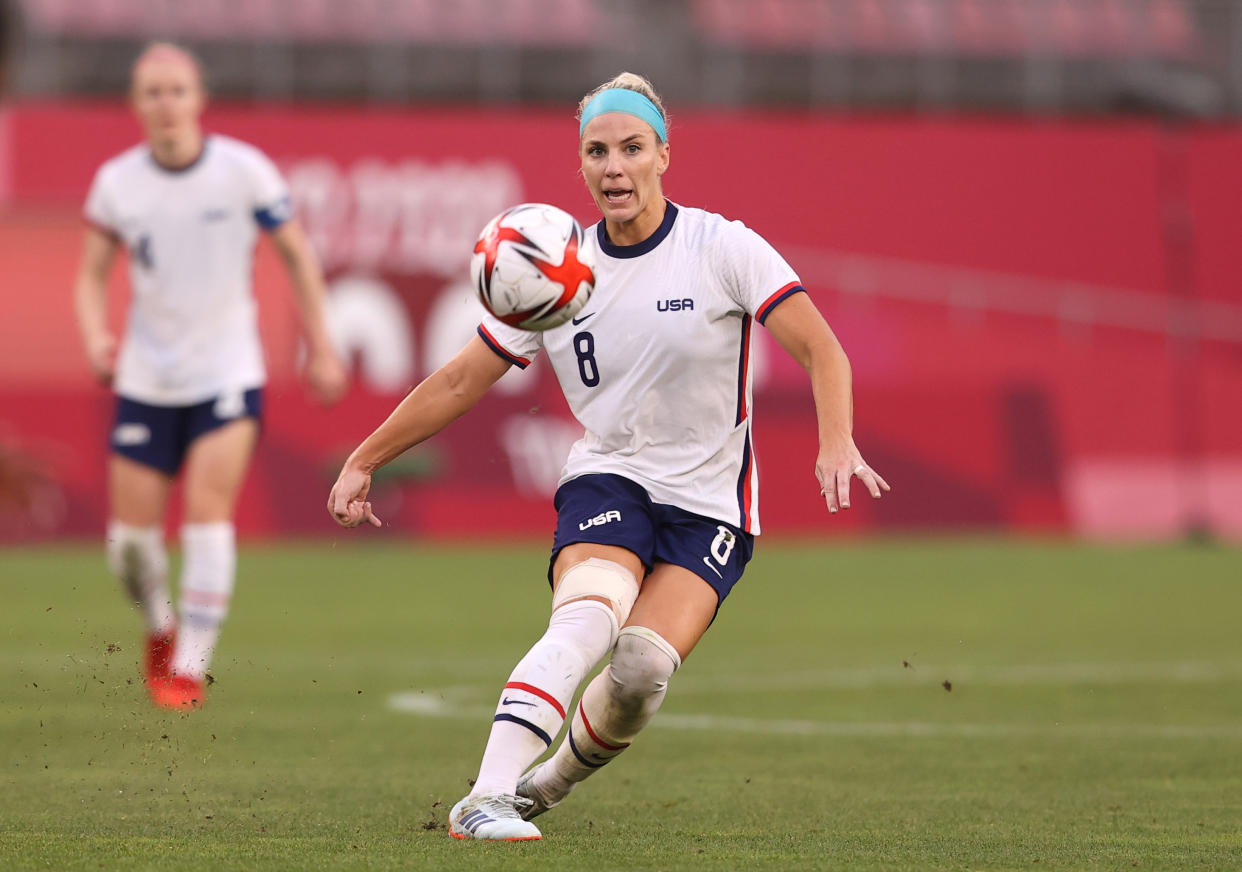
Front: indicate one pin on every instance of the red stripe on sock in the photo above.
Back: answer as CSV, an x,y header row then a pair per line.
x,y
206,598
594,738
542,694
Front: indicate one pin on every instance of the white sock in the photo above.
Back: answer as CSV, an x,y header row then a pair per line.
x,y
138,558
615,706
532,705
209,561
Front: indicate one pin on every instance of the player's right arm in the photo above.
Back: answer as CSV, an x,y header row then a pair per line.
x,y
90,300
441,398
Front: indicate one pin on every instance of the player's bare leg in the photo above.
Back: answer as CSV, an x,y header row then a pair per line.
x,y
596,586
215,469
138,497
673,611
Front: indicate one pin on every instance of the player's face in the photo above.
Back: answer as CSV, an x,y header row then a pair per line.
x,y
168,98
622,161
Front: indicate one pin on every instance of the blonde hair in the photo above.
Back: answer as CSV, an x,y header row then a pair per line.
x,y
169,51
629,82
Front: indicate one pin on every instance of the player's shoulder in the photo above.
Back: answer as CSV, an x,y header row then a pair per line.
x,y
135,159
231,149
714,233
709,228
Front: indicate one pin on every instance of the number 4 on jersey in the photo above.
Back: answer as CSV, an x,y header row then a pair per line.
x,y
142,252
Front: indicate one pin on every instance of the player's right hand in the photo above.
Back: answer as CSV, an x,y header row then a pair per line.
x,y
326,377
101,355
347,503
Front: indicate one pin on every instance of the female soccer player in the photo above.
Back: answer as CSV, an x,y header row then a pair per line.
x,y
190,372
658,502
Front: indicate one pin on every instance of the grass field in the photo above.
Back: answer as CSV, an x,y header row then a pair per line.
x,y
1094,719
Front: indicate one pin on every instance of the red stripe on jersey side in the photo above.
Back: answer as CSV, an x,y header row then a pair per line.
x,y
745,498
744,495
494,345
743,370
750,521
594,738
542,694
762,313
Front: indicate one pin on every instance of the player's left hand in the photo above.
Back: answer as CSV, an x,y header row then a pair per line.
x,y
834,468
326,377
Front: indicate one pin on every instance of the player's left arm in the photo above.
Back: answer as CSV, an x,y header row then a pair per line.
x,y
324,372
800,329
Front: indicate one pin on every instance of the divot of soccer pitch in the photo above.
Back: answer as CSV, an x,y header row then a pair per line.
x,y
461,701
464,702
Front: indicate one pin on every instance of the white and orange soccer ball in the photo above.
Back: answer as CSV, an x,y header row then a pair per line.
x,y
531,268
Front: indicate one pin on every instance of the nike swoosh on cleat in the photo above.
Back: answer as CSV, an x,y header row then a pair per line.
x,y
507,701
713,569
577,321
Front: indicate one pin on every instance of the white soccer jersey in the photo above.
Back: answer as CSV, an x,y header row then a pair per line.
x,y
657,365
192,331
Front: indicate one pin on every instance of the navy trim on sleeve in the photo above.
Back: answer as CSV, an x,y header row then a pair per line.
x,y
490,340
773,301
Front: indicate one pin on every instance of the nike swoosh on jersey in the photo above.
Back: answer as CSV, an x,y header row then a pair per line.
x,y
713,569
507,701
577,321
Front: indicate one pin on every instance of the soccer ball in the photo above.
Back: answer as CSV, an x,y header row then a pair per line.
x,y
530,267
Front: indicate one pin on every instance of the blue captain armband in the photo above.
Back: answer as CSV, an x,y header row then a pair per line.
x,y
271,217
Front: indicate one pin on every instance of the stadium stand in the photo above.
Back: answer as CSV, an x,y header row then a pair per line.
x,y
1175,56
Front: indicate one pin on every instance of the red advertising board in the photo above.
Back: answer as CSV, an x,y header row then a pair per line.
x,y
1043,317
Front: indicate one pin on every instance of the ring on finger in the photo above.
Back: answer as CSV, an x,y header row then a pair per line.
x,y
859,468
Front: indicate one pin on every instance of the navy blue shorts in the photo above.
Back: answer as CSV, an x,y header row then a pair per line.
x,y
609,509
159,436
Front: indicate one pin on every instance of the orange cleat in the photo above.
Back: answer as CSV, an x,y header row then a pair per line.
x,y
159,655
179,692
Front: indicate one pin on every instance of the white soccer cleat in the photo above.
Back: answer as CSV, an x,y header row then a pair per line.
x,y
496,818
539,800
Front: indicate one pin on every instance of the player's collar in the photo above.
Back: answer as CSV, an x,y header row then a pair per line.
x,y
176,171
639,248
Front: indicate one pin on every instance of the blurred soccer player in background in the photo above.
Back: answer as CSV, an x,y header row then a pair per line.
x,y
658,502
190,372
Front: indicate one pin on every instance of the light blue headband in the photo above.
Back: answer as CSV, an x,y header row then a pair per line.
x,y
627,101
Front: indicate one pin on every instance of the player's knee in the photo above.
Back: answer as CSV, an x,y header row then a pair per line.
x,y
642,663
135,552
598,579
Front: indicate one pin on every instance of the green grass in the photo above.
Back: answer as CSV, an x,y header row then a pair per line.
x,y
1094,720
